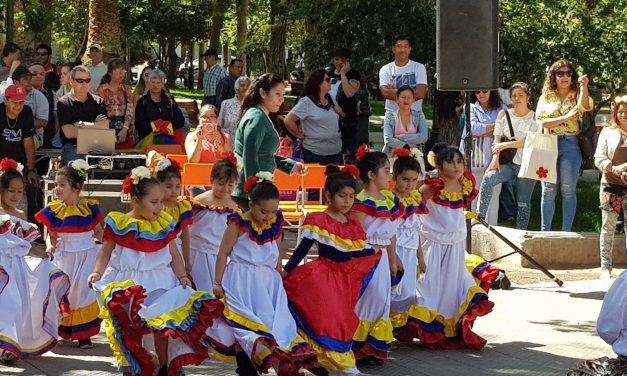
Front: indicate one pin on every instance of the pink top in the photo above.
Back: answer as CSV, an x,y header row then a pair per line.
x,y
400,129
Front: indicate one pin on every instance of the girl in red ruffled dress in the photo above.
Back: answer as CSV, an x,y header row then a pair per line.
x,y
323,293
449,299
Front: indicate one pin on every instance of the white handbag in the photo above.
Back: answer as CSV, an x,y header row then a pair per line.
x,y
539,157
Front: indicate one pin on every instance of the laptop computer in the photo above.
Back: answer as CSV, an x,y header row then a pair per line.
x,y
95,140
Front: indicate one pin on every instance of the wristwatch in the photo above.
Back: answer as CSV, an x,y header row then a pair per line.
x,y
80,124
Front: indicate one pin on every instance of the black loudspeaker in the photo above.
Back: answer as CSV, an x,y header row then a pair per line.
x,y
467,44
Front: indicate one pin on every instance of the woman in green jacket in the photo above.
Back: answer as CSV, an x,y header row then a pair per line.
x,y
256,139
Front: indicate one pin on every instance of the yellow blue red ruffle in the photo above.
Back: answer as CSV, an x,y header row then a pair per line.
x,y
181,213
482,271
62,218
259,234
345,237
82,323
198,206
454,200
373,339
435,331
414,203
390,207
139,234
22,229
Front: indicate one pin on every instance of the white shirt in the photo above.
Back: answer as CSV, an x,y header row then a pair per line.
x,y
393,76
96,73
521,126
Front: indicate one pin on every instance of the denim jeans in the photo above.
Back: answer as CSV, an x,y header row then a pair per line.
x,y
507,201
68,153
524,190
310,157
568,166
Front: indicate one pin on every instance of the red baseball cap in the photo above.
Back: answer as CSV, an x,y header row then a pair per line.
x,y
15,93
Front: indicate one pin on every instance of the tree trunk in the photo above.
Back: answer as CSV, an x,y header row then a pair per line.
x,y
104,27
201,65
242,30
172,62
190,67
278,35
217,22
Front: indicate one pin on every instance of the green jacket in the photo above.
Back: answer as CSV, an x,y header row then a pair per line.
x,y
256,144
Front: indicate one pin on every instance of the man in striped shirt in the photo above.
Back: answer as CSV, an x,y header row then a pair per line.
x,y
213,74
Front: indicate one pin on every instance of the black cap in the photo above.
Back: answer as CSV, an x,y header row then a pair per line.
x,y
19,73
210,52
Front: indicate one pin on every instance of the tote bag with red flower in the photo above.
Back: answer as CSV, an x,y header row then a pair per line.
x,y
539,157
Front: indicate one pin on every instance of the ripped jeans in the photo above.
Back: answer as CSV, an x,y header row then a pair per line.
x,y
524,190
568,166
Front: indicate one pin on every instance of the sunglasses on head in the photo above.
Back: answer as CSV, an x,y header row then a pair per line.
x,y
41,54
83,80
567,73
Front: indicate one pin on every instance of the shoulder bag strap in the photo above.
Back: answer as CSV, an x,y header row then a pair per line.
x,y
509,124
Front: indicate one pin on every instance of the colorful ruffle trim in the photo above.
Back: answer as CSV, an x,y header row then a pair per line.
x,y
390,207
454,200
21,229
266,351
181,213
125,328
61,218
198,206
82,323
414,203
437,332
259,234
138,234
482,271
373,339
336,361
345,237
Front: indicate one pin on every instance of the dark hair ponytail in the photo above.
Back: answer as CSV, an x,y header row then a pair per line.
x,y
337,180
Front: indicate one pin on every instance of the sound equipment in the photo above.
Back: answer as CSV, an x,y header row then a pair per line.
x,y
116,166
467,45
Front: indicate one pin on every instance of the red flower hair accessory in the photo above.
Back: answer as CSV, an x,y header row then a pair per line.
x,y
177,164
361,152
8,164
401,152
229,155
351,169
127,185
250,183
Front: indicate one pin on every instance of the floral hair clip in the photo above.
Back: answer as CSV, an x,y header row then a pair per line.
x,y
163,164
361,152
137,174
230,156
432,158
10,164
80,166
401,152
351,169
620,99
262,176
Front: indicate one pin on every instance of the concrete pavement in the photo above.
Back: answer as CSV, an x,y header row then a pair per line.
x,y
536,329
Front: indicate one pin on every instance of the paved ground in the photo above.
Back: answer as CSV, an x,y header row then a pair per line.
x,y
535,329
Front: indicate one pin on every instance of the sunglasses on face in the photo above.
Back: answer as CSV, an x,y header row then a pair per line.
x,y
83,80
481,92
41,54
568,73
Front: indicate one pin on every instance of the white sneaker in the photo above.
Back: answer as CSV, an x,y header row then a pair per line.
x,y
605,275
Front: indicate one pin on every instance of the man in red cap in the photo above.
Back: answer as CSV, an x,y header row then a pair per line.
x,y
17,127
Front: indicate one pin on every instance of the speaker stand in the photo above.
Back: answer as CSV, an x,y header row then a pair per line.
x,y
467,157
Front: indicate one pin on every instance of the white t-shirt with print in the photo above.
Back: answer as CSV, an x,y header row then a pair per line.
x,y
521,126
393,76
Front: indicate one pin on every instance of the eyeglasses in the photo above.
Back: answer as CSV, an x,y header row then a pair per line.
x,y
146,74
83,80
481,92
567,73
41,54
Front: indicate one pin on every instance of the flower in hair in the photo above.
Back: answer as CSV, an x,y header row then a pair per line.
x,y
176,164
361,152
10,164
163,164
80,166
230,156
127,185
265,176
139,173
432,158
351,169
401,152
620,99
416,154
250,183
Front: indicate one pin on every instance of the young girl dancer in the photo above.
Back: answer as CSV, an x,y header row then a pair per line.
x,y
378,210
323,293
29,320
211,210
73,224
145,290
407,172
449,298
256,303
168,173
